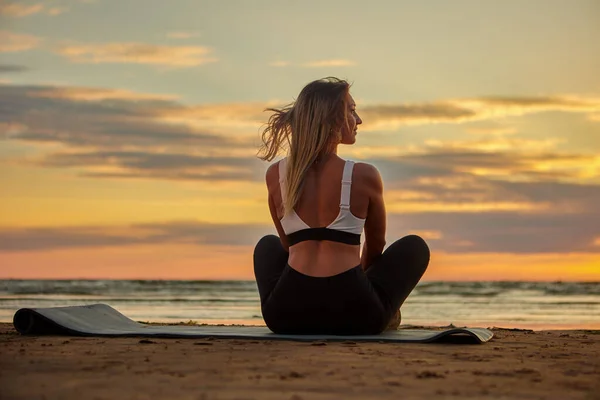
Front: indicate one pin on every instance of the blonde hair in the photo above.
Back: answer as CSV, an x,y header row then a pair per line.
x,y
309,126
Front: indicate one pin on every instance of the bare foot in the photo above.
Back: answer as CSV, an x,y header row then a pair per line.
x,y
394,322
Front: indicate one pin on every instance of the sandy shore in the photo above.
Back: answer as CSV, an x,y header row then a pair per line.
x,y
515,364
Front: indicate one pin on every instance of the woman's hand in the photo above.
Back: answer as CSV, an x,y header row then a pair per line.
x,y
394,322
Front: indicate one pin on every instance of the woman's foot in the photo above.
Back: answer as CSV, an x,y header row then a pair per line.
x,y
394,322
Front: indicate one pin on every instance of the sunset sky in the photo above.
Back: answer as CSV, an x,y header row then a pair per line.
x,y
129,130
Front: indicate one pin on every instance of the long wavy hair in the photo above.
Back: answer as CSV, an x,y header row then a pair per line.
x,y
309,127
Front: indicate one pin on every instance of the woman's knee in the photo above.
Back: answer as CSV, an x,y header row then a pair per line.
x,y
266,244
414,247
417,243
414,242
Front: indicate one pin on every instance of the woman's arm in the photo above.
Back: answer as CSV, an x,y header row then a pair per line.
x,y
375,224
272,180
282,235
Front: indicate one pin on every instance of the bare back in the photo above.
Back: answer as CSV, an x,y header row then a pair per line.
x,y
318,206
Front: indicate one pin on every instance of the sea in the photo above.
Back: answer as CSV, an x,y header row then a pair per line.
x,y
520,305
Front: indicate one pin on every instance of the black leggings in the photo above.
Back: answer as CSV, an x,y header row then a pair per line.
x,y
353,302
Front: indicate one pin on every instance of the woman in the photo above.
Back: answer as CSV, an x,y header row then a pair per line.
x,y
312,279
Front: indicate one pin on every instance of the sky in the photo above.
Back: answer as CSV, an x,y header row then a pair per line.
x,y
129,130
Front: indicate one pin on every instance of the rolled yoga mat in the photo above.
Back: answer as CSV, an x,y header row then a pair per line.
x,y
103,320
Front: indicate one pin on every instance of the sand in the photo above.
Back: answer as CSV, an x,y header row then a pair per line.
x,y
515,364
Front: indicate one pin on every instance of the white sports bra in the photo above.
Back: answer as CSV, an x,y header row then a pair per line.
x,y
346,228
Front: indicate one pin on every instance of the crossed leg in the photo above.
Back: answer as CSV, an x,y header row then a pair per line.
x,y
269,261
394,274
397,271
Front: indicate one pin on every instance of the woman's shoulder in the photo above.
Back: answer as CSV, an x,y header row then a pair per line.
x,y
366,172
272,174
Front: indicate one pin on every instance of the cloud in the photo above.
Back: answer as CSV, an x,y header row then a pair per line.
x,y
100,118
315,64
177,232
502,231
168,166
481,213
20,10
119,134
495,144
163,108
428,235
6,68
494,232
447,180
14,42
494,131
56,11
393,116
511,163
97,94
501,193
247,117
138,53
477,199
279,64
182,35
17,10
329,63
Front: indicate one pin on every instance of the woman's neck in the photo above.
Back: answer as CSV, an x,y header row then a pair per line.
x,y
326,155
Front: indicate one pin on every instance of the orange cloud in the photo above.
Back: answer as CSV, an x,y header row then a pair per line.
x,y
138,53
465,207
500,158
428,235
393,116
182,35
495,144
17,10
492,131
329,63
14,42
97,94
226,115
139,125
56,11
315,64
20,10
279,64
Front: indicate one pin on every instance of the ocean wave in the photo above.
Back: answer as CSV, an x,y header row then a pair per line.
x,y
495,288
141,300
181,288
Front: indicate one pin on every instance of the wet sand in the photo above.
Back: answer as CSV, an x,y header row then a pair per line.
x,y
515,364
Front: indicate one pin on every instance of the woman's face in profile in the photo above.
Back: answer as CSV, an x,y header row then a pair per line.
x,y
349,131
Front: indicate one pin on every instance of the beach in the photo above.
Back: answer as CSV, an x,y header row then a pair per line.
x,y
554,364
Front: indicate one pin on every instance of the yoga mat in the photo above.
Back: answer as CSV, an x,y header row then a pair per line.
x,y
103,320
